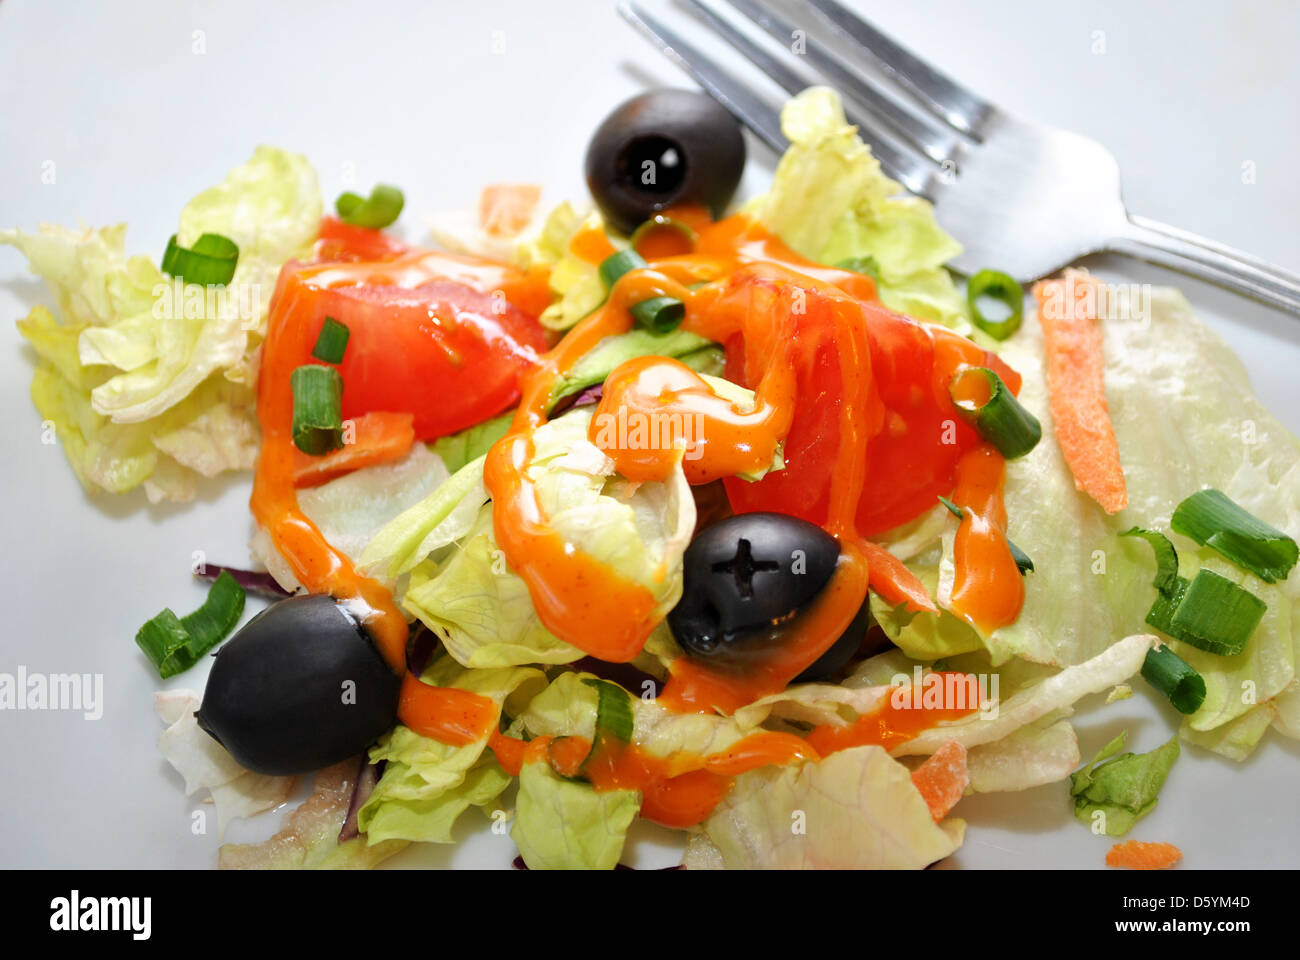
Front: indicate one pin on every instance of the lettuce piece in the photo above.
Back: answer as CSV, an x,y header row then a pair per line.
x,y
448,513
1177,433
924,635
563,824
427,784
831,202
351,509
856,809
212,430
567,708
482,611
466,446
1118,789
1036,700
480,608
152,382
1237,738
309,837
205,764
1045,751
575,282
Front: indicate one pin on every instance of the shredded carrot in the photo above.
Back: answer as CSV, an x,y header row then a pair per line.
x,y
942,779
504,209
1076,384
893,581
377,437
1139,855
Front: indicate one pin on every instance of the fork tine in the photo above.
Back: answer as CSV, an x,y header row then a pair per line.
x,y
743,104
912,129
912,171
950,101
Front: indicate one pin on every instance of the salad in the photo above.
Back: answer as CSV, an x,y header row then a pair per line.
x,y
748,521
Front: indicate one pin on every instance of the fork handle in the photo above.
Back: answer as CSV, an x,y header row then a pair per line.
x,y
1187,253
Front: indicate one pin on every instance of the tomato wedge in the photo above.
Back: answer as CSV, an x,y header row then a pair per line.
x,y
917,439
430,334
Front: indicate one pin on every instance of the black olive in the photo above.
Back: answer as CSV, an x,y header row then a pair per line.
x,y
663,148
299,688
743,578
841,651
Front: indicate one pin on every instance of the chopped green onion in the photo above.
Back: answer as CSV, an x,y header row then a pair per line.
x,y
863,265
379,210
1003,288
1023,563
617,264
660,222
211,260
659,314
317,409
332,341
1161,614
1213,520
174,644
1216,615
1166,558
1171,675
160,638
1001,419
613,709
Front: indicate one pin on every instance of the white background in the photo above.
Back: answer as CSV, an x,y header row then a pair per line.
x,y
136,122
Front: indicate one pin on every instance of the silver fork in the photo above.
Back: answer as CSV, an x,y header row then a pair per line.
x,y
1021,197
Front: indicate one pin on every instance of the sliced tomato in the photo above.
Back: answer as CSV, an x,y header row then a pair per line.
x,y
916,437
430,334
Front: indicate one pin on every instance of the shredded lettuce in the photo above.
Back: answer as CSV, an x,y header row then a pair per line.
x,y
856,809
831,202
351,509
575,281
309,836
1116,789
149,381
481,608
563,824
427,784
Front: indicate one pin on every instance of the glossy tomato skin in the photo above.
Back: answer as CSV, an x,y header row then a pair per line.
x,y
450,352
915,443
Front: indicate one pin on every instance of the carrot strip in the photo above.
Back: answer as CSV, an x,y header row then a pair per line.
x,y
893,581
942,779
380,437
1076,385
504,209
1139,855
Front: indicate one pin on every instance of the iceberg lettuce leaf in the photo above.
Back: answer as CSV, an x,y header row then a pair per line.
x,y
831,202
856,809
562,824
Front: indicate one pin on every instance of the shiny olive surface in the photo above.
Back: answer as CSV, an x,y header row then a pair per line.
x,y
744,578
300,687
661,149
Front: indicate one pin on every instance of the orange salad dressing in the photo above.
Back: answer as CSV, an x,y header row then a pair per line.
x,y
754,288
989,590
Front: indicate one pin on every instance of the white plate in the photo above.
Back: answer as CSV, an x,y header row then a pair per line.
x,y
442,98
